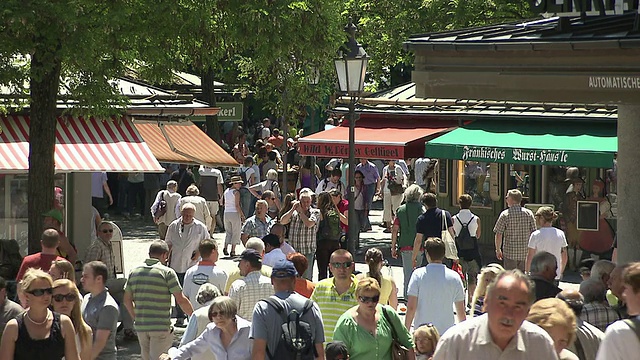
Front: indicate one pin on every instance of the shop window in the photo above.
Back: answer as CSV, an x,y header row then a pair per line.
x,y
474,178
520,178
13,206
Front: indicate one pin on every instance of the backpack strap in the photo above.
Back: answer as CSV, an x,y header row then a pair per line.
x,y
468,222
634,324
325,182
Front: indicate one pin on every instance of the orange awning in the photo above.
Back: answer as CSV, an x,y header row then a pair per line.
x,y
82,145
183,143
375,139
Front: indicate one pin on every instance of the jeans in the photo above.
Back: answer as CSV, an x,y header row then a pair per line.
x,y
179,313
308,274
245,202
371,191
323,254
407,268
154,343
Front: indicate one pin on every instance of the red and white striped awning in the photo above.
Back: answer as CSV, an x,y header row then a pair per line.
x,y
82,145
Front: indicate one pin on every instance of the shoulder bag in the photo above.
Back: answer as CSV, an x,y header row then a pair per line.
x,y
451,251
398,351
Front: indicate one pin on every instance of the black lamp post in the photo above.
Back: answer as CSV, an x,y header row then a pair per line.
x,y
351,66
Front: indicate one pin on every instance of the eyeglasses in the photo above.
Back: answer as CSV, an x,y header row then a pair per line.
x,y
338,265
69,297
107,231
40,292
369,299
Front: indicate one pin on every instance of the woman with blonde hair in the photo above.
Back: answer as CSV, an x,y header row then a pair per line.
x,y
388,290
425,338
66,300
557,319
487,275
369,328
62,269
38,333
548,238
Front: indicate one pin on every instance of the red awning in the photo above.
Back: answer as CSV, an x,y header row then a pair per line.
x,y
376,139
184,143
82,145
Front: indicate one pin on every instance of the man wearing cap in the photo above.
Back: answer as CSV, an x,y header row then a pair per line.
x,y
171,197
183,238
234,274
253,287
513,229
272,251
53,219
266,324
49,242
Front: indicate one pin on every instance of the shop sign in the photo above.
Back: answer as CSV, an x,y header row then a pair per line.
x,y
230,111
516,155
577,7
615,82
369,151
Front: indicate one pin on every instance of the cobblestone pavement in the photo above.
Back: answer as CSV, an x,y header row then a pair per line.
x,y
139,233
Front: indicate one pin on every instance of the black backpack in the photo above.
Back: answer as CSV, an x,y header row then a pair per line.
x,y
464,240
296,341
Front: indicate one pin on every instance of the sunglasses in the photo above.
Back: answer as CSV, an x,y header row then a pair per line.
x,y
215,314
40,292
69,297
338,265
107,231
369,299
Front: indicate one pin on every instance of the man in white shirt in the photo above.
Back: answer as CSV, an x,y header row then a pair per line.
x,y
204,272
211,190
183,238
502,332
621,340
427,305
272,251
469,251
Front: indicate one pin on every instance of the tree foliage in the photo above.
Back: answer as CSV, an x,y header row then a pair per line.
x,y
385,25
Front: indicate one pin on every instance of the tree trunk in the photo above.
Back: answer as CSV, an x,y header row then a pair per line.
x,y
209,96
45,80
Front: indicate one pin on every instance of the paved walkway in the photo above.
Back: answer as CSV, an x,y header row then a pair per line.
x,y
138,234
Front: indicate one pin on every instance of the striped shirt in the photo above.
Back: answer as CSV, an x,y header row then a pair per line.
x,y
248,291
151,286
333,305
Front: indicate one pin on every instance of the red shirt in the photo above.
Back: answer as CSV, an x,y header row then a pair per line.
x,y
38,261
304,287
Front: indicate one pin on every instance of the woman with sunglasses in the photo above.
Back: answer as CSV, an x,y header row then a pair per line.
x,y
66,300
38,333
227,337
369,328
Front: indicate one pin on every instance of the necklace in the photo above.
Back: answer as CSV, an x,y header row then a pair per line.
x,y
46,318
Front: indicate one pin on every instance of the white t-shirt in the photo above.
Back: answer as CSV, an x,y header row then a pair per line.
x,y
620,343
272,257
200,274
286,248
230,201
463,217
435,306
551,240
248,173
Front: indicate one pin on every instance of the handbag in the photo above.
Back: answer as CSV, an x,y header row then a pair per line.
x,y
450,249
392,185
398,351
162,207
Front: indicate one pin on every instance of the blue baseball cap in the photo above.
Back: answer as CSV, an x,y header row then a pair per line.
x,y
283,269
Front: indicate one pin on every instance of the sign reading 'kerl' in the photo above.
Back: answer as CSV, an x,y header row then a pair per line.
x,y
576,7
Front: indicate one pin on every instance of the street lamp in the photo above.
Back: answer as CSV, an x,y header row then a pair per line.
x,y
351,67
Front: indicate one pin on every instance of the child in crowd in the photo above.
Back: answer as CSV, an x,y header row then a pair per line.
x,y
425,338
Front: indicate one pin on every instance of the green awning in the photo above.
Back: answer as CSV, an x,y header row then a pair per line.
x,y
534,143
